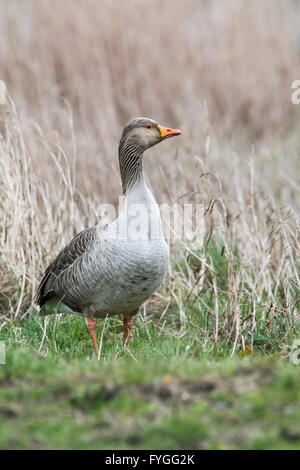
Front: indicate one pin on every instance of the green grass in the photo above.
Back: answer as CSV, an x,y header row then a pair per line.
x,y
165,392
174,388
152,404
67,337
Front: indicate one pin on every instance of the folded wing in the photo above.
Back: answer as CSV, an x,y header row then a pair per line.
x,y
56,274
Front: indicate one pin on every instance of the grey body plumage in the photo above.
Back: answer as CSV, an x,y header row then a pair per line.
x,y
113,270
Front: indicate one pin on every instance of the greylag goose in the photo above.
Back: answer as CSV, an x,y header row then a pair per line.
x,y
114,269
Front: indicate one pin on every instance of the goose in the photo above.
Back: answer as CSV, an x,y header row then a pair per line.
x,y
113,270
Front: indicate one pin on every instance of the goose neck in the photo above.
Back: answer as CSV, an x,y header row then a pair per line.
x,y
131,166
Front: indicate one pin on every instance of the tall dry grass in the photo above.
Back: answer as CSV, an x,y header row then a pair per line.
x,y
222,71
108,61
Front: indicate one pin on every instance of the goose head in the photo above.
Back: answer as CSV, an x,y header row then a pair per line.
x,y
142,133
138,135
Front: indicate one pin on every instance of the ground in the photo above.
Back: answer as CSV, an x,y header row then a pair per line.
x,y
155,395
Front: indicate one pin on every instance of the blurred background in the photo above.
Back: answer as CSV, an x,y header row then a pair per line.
x,y
92,65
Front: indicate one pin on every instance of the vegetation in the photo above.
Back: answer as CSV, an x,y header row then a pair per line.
x,y
209,363
181,403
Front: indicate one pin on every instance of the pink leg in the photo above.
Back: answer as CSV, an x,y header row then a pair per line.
x,y
92,326
127,323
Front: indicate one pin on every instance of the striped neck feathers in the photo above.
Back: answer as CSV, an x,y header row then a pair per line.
x,y
131,164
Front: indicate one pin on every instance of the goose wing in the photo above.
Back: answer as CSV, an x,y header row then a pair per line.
x,y
65,259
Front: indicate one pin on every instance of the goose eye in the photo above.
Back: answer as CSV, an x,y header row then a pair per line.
x,y
149,126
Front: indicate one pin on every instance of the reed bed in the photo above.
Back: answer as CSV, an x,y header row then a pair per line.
x,y
221,71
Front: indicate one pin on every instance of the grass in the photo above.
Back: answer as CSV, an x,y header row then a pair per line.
x,y
123,404
180,328
174,388
178,386
209,365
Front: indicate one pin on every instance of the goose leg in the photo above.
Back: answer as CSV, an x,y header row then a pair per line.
x,y
127,323
92,326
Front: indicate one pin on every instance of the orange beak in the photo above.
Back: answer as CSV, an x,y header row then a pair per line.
x,y
166,132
